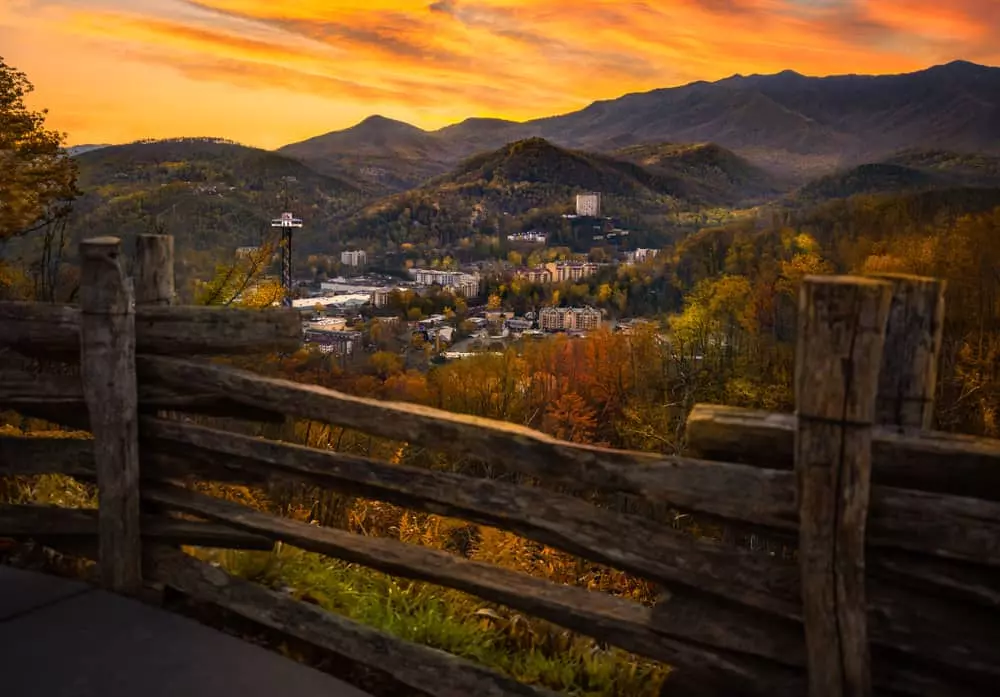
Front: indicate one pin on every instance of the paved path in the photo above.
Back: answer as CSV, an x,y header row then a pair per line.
x,y
61,638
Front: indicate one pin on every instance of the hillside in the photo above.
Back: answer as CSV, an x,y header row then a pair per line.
x,y
75,150
378,154
705,171
910,171
968,168
521,185
788,123
212,195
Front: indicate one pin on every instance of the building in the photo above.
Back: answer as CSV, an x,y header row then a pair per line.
x,y
588,205
570,270
244,252
538,274
459,282
640,255
334,324
355,258
532,236
519,325
341,343
380,296
342,286
554,319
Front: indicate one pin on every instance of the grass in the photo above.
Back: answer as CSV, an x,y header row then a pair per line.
x,y
532,652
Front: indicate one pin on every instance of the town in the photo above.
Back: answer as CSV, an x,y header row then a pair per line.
x,y
338,312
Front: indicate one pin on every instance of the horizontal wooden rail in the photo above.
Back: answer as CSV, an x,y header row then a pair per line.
x,y
946,526
619,622
43,522
40,329
59,398
903,458
737,492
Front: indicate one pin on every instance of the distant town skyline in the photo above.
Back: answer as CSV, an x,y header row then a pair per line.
x,y
267,73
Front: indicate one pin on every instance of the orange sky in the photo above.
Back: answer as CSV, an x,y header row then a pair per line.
x,y
269,72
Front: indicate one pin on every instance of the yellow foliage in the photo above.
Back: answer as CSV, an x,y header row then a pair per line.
x,y
264,294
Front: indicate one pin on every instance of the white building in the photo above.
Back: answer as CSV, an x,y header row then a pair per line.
x,y
552,319
461,283
337,286
589,204
640,255
355,258
532,236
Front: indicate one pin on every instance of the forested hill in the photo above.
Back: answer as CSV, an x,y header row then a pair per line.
x,y
211,195
909,171
532,183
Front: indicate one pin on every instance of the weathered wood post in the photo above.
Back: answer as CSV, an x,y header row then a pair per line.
x,y
912,351
153,274
154,270
107,367
841,335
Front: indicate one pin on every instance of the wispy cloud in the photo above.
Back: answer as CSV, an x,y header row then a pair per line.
x,y
436,61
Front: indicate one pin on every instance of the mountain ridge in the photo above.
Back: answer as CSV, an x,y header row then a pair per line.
x,y
786,122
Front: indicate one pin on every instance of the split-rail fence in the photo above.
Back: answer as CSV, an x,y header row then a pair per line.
x,y
894,586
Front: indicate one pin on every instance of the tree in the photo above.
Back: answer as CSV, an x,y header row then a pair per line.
x,y
37,177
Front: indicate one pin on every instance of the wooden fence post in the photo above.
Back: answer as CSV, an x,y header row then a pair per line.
x,y
154,270
841,334
107,366
912,351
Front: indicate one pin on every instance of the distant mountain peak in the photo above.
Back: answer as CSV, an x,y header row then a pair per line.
x,y
382,123
963,67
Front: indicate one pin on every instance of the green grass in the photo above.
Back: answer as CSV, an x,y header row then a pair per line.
x,y
532,652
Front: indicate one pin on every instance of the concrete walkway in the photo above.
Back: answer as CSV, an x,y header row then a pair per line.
x,y
61,638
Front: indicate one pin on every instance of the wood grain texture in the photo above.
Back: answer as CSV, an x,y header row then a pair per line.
x,y
910,358
617,621
41,329
910,459
154,270
60,398
421,668
36,329
841,334
46,522
107,368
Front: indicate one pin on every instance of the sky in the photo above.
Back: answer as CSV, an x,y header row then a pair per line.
x,y
270,72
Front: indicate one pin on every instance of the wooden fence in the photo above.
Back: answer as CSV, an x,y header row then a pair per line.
x,y
895,587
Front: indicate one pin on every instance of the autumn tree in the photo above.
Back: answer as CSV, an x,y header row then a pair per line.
x,y
37,177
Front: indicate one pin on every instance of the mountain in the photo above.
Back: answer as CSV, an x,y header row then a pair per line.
x,y
378,154
909,171
788,123
212,195
524,184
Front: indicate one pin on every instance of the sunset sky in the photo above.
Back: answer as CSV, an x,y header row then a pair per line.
x,y
269,72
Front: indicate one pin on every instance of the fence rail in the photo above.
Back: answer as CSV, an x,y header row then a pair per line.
x,y
896,580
